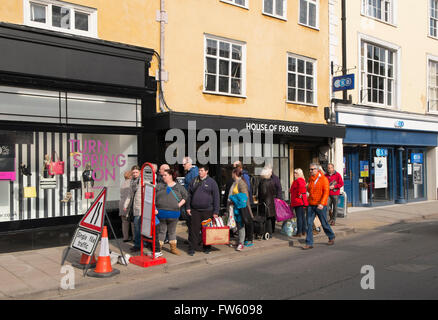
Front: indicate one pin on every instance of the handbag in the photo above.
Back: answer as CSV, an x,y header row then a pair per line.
x,y
231,221
48,183
29,192
89,195
57,167
282,210
87,176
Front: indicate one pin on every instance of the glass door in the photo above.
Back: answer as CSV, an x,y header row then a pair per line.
x,y
416,164
381,180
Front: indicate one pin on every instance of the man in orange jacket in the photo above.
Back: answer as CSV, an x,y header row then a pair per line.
x,y
318,189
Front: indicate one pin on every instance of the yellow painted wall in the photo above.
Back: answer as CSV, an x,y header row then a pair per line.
x,y
410,33
267,42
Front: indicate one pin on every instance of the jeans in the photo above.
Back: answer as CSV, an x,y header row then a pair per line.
x,y
322,215
332,203
137,235
301,219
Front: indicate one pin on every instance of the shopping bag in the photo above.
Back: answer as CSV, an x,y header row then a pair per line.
x,y
231,221
282,210
29,192
89,195
215,235
47,183
55,167
316,222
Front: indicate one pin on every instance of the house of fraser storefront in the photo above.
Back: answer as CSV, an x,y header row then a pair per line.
x,y
75,102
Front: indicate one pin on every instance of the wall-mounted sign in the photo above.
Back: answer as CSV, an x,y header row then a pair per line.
x,y
399,124
416,157
381,152
343,82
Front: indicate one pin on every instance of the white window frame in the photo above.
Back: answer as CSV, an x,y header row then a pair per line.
x,y
315,79
393,9
243,66
273,14
435,36
434,59
92,20
233,2
316,2
397,72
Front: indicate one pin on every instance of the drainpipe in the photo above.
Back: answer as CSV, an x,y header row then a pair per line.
x,y
344,45
162,18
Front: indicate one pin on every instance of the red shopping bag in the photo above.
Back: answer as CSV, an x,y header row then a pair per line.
x,y
55,167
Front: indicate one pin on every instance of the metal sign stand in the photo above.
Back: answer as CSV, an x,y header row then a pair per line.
x,y
105,218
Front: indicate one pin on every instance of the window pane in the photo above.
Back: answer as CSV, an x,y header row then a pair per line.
x,y
61,17
37,13
81,21
210,83
235,70
309,83
291,80
224,49
224,67
312,14
300,66
301,82
292,65
241,2
291,94
269,6
309,96
211,65
223,84
301,96
237,52
309,68
236,86
279,7
303,11
211,47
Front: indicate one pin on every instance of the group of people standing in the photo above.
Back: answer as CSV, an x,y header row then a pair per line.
x,y
199,199
313,198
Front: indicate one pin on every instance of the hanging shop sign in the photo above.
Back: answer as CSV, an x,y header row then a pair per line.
x,y
381,152
380,173
343,82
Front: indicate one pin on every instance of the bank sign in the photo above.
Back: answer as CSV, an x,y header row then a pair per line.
x,y
343,83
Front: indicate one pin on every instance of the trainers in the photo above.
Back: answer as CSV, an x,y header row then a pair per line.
x,y
248,243
240,247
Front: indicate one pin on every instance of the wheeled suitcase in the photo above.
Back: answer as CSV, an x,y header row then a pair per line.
x,y
260,225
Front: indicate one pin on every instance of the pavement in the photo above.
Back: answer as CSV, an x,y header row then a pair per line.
x,y
37,274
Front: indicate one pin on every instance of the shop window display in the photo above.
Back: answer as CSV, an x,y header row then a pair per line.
x,y
54,175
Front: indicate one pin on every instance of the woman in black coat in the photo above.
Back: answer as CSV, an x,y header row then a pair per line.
x,y
266,195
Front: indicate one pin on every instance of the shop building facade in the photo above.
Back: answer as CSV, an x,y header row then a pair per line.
x,y
71,99
221,75
389,153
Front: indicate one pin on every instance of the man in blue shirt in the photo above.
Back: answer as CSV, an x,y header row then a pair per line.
x,y
192,171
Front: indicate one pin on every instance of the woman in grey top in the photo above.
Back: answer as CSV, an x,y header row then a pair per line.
x,y
169,198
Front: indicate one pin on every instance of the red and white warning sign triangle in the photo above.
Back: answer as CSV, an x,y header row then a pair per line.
x,y
93,218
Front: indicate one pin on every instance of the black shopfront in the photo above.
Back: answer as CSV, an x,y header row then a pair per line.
x,y
295,144
61,95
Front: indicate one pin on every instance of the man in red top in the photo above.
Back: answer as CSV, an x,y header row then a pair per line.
x,y
335,183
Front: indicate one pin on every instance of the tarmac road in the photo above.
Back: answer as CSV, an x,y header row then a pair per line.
x,y
404,257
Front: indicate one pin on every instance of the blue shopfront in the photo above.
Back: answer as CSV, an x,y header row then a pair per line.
x,y
385,166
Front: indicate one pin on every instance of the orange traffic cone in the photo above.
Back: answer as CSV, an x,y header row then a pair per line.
x,y
103,267
85,260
